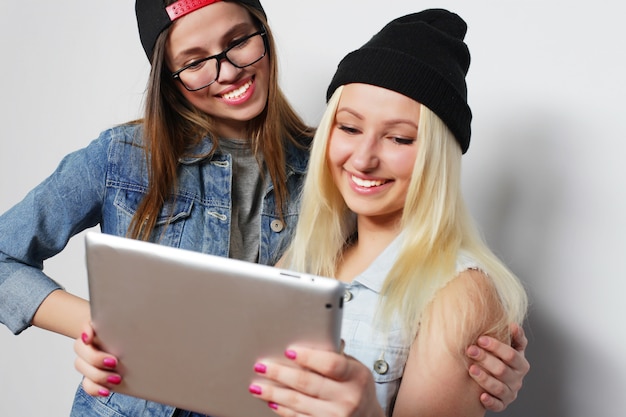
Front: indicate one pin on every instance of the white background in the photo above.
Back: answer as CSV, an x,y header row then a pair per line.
x,y
544,174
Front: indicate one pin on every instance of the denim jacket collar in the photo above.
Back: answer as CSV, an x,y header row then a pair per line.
x,y
374,276
198,152
297,157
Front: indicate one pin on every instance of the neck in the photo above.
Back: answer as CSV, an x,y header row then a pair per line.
x,y
376,233
372,239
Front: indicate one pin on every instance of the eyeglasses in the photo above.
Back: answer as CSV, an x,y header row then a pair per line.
x,y
204,72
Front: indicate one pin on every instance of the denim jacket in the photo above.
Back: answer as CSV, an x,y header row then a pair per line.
x,y
103,184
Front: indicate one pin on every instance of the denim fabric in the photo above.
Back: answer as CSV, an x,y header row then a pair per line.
x,y
384,352
365,341
103,184
116,405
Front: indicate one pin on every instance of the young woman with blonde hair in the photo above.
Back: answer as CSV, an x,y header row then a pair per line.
x,y
382,210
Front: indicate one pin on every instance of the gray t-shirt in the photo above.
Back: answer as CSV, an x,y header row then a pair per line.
x,y
247,196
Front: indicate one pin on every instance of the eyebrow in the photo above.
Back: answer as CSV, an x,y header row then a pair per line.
x,y
389,122
182,55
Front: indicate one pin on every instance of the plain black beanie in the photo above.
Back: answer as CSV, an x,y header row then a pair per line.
x,y
422,56
152,19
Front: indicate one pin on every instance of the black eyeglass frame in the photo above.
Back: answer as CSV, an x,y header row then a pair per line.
x,y
224,56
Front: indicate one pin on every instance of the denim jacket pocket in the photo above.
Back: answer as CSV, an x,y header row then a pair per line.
x,y
170,222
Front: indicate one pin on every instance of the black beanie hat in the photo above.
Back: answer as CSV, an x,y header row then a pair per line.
x,y
422,56
153,17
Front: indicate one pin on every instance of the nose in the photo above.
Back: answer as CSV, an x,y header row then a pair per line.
x,y
365,155
227,72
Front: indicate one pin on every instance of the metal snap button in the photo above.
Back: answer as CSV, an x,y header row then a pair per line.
x,y
277,226
347,296
381,367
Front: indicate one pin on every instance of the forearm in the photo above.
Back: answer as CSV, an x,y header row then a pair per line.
x,y
63,313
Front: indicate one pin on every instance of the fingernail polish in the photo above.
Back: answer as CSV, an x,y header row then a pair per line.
x,y
110,362
114,379
273,406
255,389
260,368
84,337
104,392
290,354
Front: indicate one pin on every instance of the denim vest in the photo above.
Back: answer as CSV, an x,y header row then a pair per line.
x,y
384,352
103,184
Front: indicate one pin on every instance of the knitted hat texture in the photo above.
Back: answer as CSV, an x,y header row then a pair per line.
x,y
422,56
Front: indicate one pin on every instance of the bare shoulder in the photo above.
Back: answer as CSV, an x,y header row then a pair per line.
x,y
436,381
469,306
470,283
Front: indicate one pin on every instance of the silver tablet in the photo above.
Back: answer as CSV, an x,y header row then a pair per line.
x,y
188,327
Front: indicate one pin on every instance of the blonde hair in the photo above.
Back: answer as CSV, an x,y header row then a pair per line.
x,y
436,224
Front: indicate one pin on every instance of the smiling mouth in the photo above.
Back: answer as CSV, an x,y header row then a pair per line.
x,y
239,92
367,183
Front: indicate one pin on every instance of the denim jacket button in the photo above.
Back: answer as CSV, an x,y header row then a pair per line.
x,y
277,226
381,367
347,296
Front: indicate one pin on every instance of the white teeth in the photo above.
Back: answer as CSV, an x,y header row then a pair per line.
x,y
238,92
367,183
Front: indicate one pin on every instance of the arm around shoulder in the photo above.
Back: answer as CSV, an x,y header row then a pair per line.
x,y
436,381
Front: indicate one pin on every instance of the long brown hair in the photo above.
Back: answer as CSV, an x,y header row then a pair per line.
x,y
172,126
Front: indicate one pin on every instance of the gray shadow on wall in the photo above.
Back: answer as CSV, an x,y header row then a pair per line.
x,y
543,393
516,210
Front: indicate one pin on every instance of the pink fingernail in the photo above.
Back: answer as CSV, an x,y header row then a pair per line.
x,y
273,406
114,379
255,389
290,354
104,392
84,337
110,362
260,368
